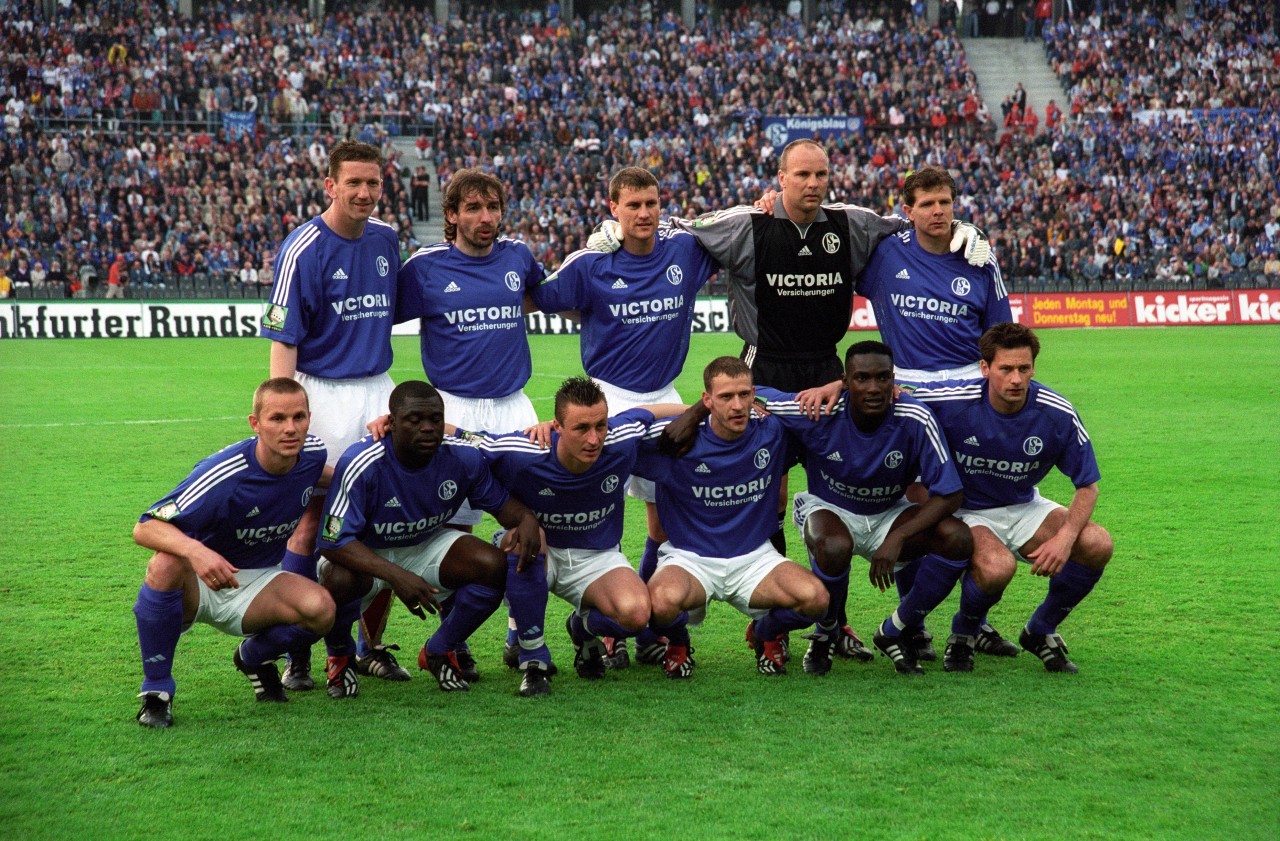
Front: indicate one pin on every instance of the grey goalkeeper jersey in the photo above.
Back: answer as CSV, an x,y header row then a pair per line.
x,y
791,286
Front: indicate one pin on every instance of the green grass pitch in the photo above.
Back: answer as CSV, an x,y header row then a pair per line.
x,y
1170,731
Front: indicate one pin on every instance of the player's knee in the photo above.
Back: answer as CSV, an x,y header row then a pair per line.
x,y
165,572
316,608
1094,547
664,603
813,599
632,613
832,553
491,568
955,540
991,572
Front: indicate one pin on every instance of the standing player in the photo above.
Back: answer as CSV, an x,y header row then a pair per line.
x,y
384,528
636,309
218,538
469,294
716,503
576,490
860,460
329,322
1006,432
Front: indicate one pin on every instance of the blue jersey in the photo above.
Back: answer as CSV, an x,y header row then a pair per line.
x,y
637,311
575,510
720,499
334,299
375,499
1001,457
237,509
867,472
931,308
472,312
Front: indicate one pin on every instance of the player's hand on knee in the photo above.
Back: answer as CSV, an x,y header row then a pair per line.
x,y
1049,557
524,541
214,570
766,201
606,238
418,596
883,561
378,426
968,240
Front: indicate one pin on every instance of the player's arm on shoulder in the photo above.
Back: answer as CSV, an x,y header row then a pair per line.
x,y
409,587
821,400
1049,557
540,433
211,567
284,360
970,242
680,433
379,426
524,536
664,410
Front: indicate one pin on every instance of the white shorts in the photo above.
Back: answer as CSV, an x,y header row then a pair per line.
x,y
341,408
481,414
571,571
619,400
730,580
1013,525
422,559
867,531
225,609
911,378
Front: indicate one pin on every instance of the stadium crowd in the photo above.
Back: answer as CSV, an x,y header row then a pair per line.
x,y
115,139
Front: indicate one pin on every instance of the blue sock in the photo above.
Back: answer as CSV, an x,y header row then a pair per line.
x,y
271,643
600,625
934,578
974,605
1066,589
159,616
837,594
527,597
649,560
906,577
339,641
472,605
677,633
779,620
304,565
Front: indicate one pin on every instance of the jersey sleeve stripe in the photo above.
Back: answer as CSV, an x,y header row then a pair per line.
x,y
1056,401
924,417
342,499
288,264
211,478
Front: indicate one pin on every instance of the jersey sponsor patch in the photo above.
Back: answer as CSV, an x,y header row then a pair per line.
x,y
165,512
274,317
332,528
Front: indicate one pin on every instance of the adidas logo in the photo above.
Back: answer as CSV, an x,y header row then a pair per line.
x,y
618,284
339,275
972,441
255,512
159,658
834,457
394,502
452,287
546,492
702,468
805,252
903,275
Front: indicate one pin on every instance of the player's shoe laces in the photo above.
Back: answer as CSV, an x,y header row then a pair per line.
x,y
1051,650
381,663
445,669
769,653
851,647
958,656
615,653
467,663
677,661
157,709
588,653
896,649
297,673
990,642
817,660
653,653
536,680
921,642
264,677
341,677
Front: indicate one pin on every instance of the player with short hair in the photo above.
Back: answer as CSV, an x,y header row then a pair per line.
x,y
1006,432
383,528
329,322
576,489
636,308
859,460
716,503
218,538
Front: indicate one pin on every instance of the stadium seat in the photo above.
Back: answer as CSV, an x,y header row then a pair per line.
x,y
186,287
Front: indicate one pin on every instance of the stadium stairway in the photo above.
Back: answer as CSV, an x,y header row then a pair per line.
x,y
1000,63
426,232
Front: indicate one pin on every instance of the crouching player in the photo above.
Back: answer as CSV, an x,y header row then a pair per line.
x,y
383,526
577,490
718,503
860,460
218,539
1006,432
